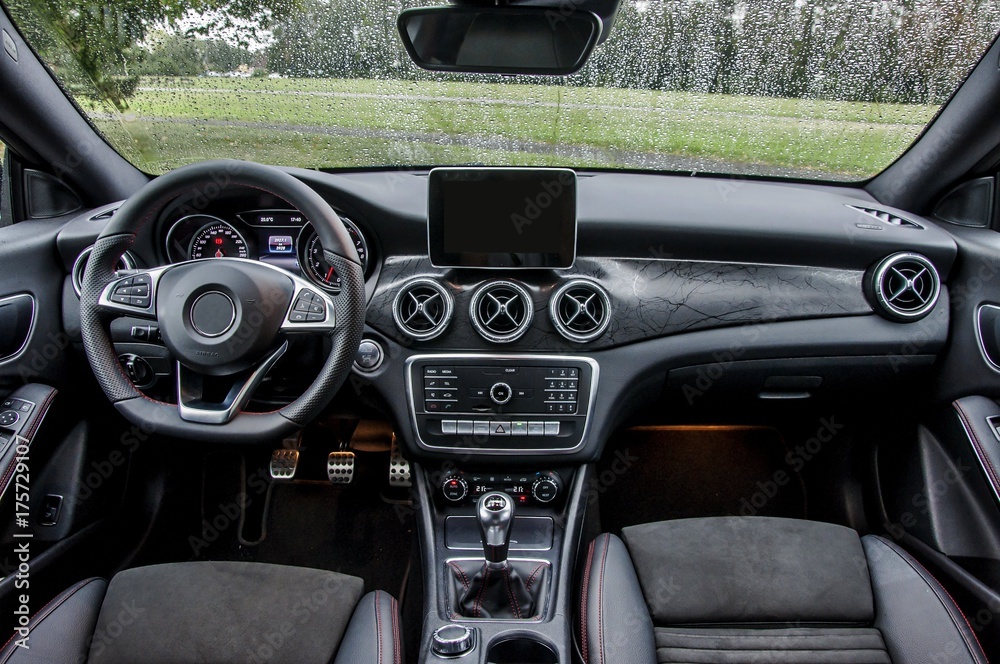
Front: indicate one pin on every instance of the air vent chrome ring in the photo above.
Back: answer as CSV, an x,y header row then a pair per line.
x,y
126,262
501,311
423,309
906,286
580,310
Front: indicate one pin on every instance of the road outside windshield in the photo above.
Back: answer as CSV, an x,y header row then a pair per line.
x,y
819,89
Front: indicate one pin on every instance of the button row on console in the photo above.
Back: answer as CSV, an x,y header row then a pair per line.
x,y
498,428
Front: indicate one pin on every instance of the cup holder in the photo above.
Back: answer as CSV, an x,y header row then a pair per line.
x,y
521,650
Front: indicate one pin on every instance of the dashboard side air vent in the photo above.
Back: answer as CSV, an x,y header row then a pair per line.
x,y
580,310
886,217
126,262
905,286
501,311
422,309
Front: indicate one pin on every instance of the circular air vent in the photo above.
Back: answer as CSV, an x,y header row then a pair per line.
x,y
422,309
906,286
501,311
126,262
580,310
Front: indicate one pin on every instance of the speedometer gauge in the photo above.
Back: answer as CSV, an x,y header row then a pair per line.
x,y
315,265
218,240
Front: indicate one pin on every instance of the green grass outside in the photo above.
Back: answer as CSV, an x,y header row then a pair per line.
x,y
607,127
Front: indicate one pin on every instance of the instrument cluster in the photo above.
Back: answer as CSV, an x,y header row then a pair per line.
x,y
284,238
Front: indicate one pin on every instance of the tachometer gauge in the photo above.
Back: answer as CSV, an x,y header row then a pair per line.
x,y
316,266
218,240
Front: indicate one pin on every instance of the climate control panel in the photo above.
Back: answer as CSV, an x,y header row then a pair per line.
x,y
526,488
500,403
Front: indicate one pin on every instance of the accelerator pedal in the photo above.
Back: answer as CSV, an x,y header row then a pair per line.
x,y
340,467
399,468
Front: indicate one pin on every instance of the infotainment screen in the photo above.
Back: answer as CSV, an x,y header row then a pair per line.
x,y
502,217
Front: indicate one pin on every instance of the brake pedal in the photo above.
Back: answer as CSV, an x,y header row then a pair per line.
x,y
399,468
340,467
284,463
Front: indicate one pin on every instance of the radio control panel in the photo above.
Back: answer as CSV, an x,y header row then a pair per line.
x,y
501,403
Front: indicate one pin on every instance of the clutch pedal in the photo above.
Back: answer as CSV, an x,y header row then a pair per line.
x,y
399,468
340,467
284,463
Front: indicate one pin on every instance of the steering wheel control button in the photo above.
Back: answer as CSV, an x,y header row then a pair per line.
x,y
369,356
132,291
453,641
9,418
455,489
213,314
307,308
500,393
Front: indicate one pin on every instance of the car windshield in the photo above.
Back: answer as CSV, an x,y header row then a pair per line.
x,y
817,89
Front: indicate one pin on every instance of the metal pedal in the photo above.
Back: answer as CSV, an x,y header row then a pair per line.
x,y
399,468
340,467
284,463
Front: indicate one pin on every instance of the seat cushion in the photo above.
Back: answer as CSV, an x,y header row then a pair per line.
x,y
753,590
224,613
751,570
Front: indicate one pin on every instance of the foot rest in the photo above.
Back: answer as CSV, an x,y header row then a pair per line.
x,y
340,467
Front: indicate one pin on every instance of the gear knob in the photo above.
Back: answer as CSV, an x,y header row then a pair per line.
x,y
495,511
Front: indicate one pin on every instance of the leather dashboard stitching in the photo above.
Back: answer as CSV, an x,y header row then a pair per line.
x,y
949,605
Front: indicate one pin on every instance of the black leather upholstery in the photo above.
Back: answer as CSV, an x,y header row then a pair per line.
x,y
218,612
748,590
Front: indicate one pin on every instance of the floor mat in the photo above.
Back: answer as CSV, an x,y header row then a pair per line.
x,y
652,474
347,529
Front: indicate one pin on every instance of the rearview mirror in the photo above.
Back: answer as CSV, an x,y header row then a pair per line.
x,y
499,40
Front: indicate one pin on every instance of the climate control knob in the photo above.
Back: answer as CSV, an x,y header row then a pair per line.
x,y
545,489
455,489
501,393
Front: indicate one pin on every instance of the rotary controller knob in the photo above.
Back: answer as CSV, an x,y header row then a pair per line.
x,y
453,640
455,488
501,393
545,489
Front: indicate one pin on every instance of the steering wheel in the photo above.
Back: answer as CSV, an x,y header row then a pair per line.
x,y
225,320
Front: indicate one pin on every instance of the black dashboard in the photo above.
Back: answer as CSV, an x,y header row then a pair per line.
x,y
764,284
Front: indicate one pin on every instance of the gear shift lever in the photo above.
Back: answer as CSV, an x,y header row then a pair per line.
x,y
496,516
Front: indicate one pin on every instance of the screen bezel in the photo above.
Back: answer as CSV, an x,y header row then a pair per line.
x,y
562,260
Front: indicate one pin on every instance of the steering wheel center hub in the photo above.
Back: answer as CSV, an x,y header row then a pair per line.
x,y
213,314
220,316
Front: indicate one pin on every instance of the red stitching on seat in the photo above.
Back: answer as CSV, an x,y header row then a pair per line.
x,y
911,561
583,603
48,609
600,598
378,630
397,643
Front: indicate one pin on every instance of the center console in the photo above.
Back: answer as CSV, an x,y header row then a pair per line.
x,y
502,404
